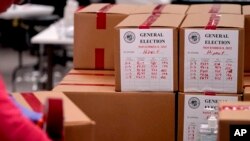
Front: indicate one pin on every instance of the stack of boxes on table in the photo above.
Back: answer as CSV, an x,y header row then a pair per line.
x,y
137,67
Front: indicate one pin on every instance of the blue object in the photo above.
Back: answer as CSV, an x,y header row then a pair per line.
x,y
33,116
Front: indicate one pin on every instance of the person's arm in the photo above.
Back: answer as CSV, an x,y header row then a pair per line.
x,y
14,125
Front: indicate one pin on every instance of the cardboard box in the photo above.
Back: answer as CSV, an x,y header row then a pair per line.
x,y
94,32
246,94
146,53
126,116
162,8
214,8
87,81
192,112
228,124
77,125
246,82
246,13
212,53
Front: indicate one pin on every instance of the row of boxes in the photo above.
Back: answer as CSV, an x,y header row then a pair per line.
x,y
163,52
140,115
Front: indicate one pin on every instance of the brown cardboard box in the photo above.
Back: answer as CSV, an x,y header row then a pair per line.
x,y
226,120
246,82
94,32
77,125
87,81
214,8
147,59
246,12
204,49
192,113
246,94
126,116
162,8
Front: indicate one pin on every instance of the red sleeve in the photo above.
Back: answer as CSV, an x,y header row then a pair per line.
x,y
5,4
14,126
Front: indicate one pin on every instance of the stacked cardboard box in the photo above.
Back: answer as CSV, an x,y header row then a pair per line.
x,y
123,116
211,66
147,53
231,127
94,35
246,13
77,126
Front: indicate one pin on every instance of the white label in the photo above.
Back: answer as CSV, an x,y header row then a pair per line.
x,y
195,113
146,59
211,60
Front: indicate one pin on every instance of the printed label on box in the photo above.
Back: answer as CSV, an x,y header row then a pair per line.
x,y
211,60
146,59
195,112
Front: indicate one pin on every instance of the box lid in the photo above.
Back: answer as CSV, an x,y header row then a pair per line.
x,y
201,20
164,20
167,9
72,114
206,8
115,9
239,115
246,10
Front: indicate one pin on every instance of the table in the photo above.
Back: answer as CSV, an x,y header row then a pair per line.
x,y
26,11
53,35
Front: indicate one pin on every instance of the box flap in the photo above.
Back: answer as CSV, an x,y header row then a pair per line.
x,y
164,20
239,115
168,8
201,20
205,8
116,9
246,10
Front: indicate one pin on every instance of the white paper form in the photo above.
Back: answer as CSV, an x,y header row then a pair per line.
x,y
195,112
146,59
211,60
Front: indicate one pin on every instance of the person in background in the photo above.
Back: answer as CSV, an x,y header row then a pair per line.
x,y
14,125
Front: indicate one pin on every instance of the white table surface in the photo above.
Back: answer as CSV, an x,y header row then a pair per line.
x,y
27,11
53,35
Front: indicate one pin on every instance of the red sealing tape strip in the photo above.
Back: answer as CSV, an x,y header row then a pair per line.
x,y
33,101
210,93
149,21
99,58
101,17
213,22
158,9
215,8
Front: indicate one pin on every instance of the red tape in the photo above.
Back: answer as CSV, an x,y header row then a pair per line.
x,y
99,58
95,74
149,21
213,22
81,84
101,17
236,108
215,8
158,9
210,93
33,101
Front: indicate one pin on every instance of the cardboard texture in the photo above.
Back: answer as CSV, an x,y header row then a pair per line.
x,y
192,114
246,82
87,81
126,116
94,32
246,94
134,22
226,120
226,22
164,9
213,8
77,125
246,13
